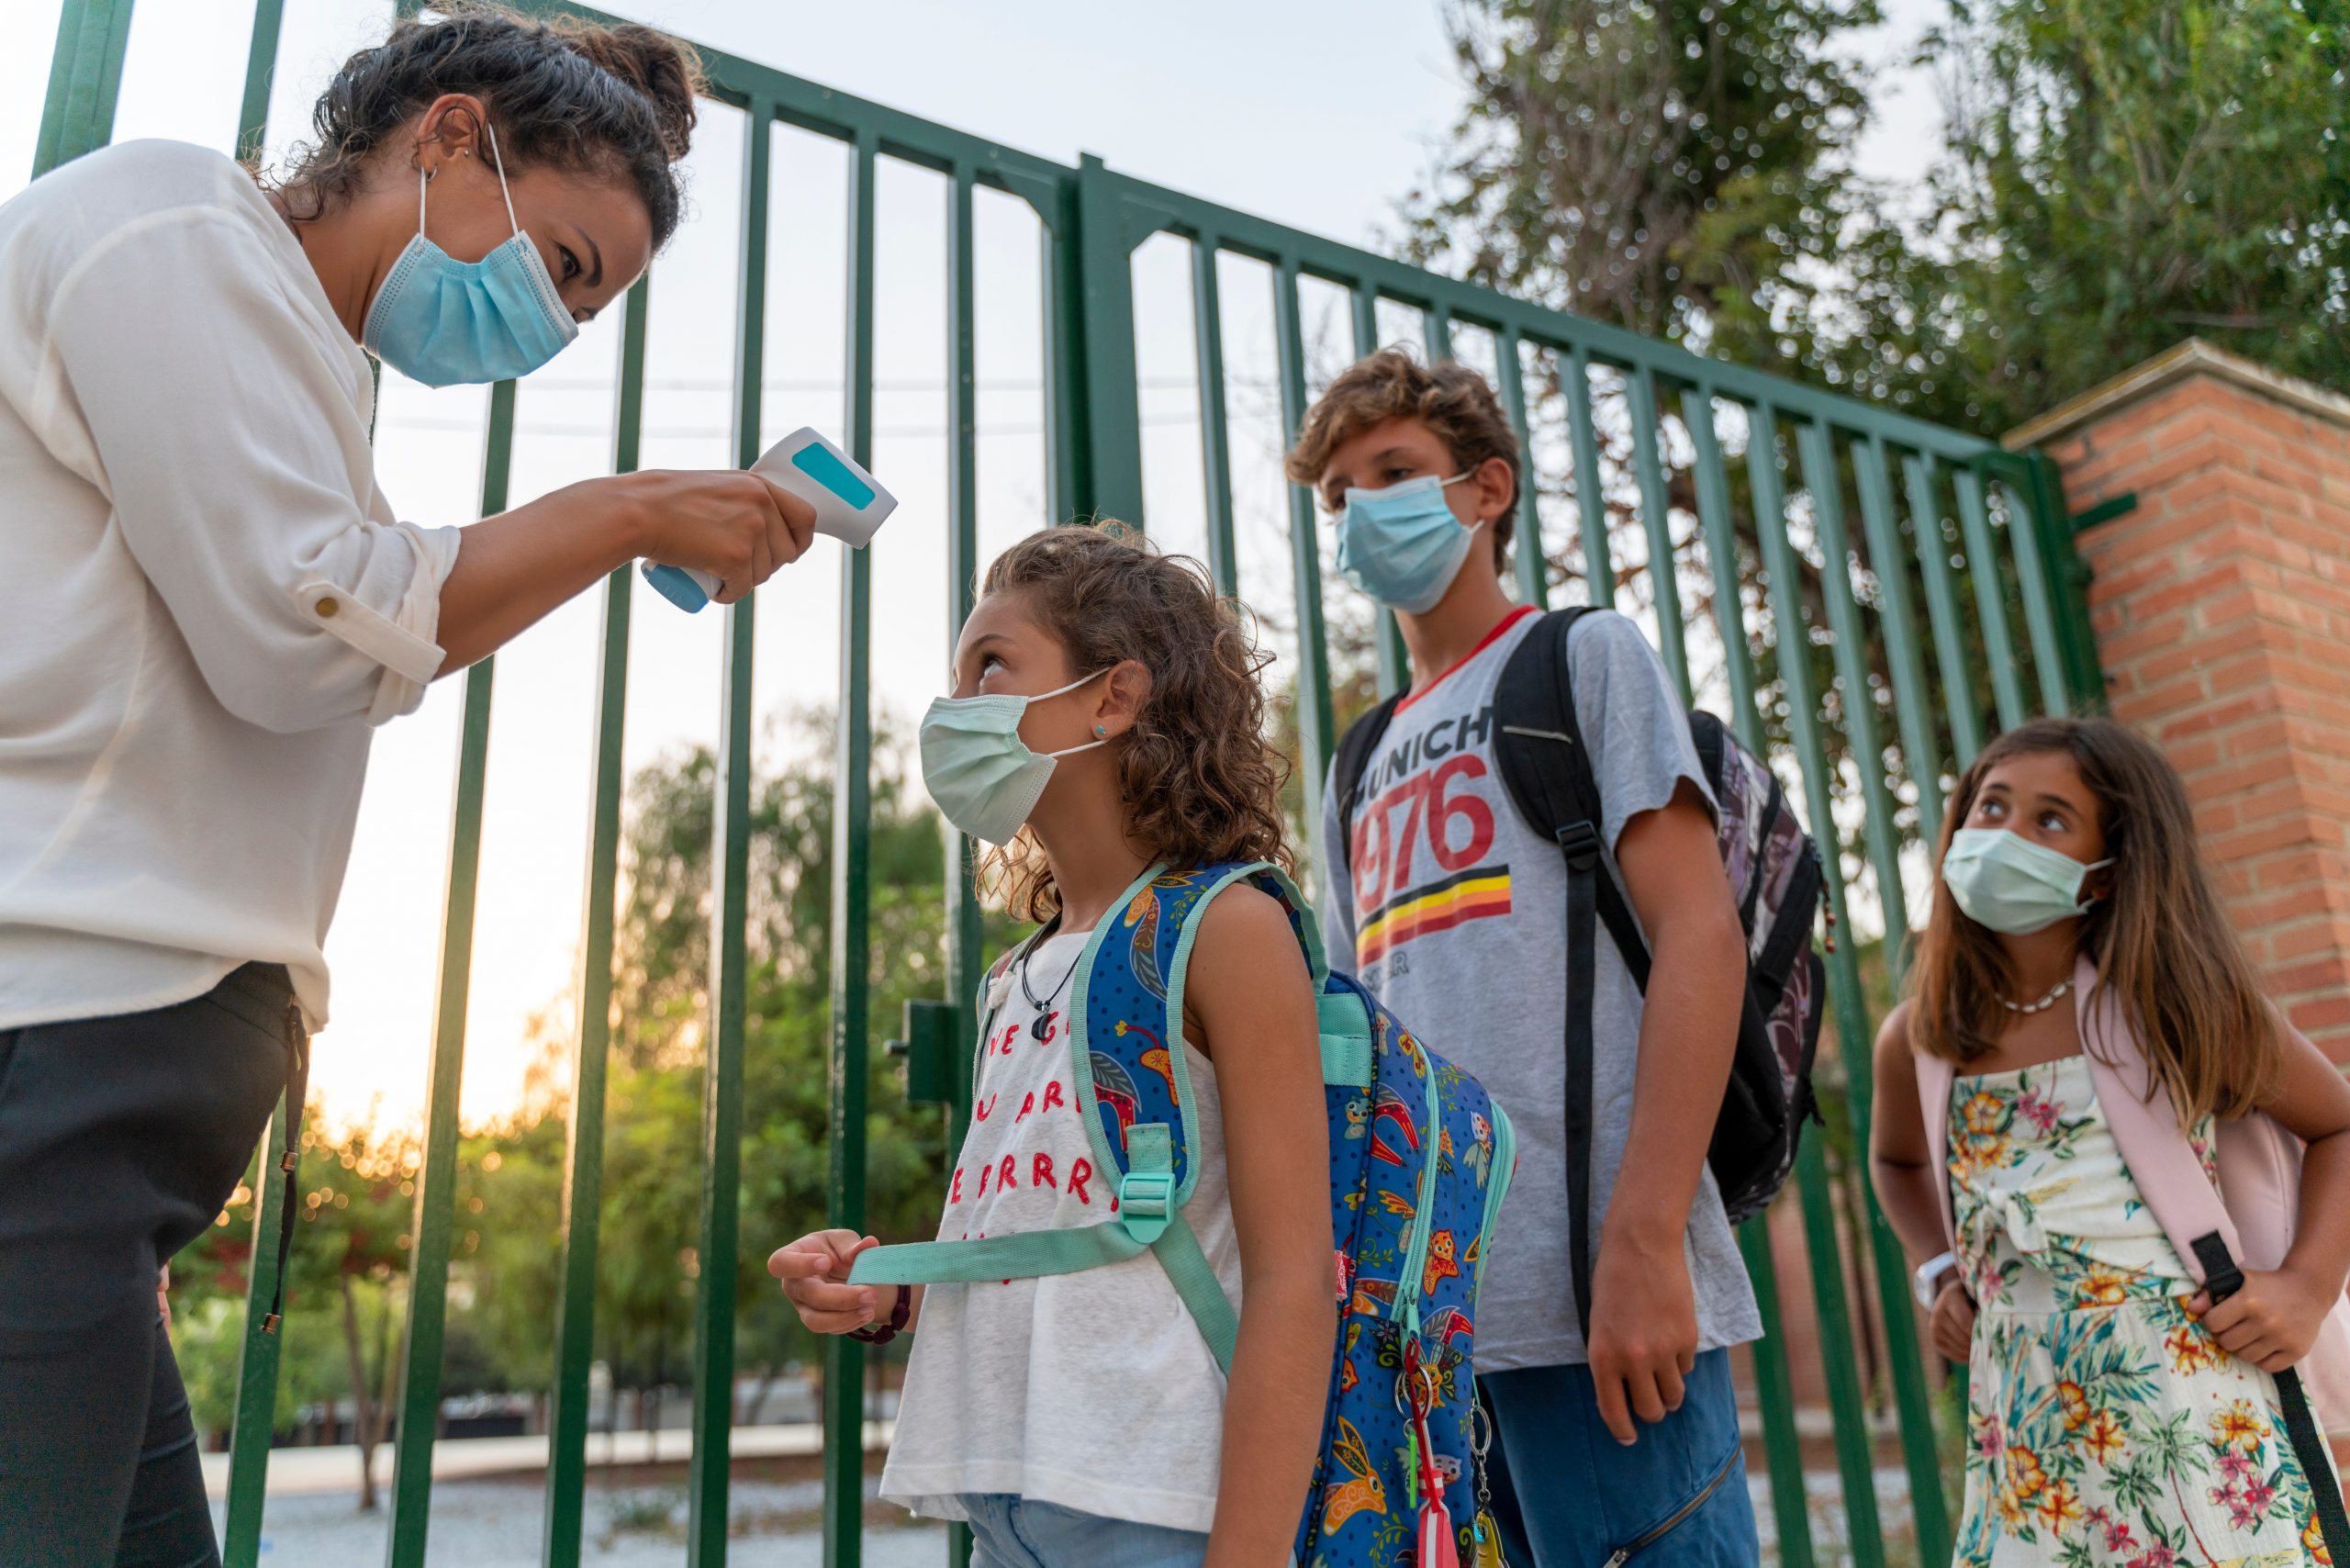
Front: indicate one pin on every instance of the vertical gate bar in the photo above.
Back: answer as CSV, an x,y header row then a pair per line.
x,y
1853,1038
1394,664
851,900
583,1183
722,1099
1921,480
964,932
1591,503
1068,466
1721,554
1774,1391
84,77
1436,328
1639,396
261,66
1773,1385
1850,646
1911,711
428,1300
1533,574
257,1362
1215,433
1314,736
1108,231
2067,577
1990,596
2039,597
1860,1066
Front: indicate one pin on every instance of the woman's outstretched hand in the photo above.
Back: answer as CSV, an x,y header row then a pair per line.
x,y
730,523
815,1272
515,568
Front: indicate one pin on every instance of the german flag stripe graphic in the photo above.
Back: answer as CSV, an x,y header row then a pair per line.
x,y
1439,906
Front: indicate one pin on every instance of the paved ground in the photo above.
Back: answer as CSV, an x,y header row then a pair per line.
x,y
497,1523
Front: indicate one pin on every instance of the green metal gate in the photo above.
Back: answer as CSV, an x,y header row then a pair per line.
x,y
1900,691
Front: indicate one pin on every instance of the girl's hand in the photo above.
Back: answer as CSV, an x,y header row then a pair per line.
x,y
2272,1321
814,1271
729,523
1951,1323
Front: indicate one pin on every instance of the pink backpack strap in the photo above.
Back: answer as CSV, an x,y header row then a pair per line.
x,y
2153,1145
1935,1076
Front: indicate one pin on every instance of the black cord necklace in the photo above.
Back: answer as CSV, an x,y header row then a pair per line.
x,y
1037,1025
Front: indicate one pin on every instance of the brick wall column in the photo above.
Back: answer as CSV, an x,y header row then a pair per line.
x,y
2221,606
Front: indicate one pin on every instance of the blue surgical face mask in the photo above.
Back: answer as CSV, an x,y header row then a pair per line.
x,y
2005,881
979,773
446,322
1402,545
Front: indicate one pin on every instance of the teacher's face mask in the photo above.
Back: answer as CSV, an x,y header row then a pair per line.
x,y
446,322
1402,545
979,773
2004,881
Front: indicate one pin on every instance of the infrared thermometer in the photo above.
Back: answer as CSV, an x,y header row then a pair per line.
x,y
850,506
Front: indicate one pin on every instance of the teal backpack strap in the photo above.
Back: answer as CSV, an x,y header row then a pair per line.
x,y
1148,1221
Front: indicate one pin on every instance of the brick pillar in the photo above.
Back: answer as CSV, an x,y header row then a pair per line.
x,y
2221,605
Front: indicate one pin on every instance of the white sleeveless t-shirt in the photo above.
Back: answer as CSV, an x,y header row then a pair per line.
x,y
1091,1391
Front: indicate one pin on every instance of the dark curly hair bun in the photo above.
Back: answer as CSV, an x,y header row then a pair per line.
x,y
567,94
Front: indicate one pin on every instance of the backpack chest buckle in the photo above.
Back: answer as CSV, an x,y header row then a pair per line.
x,y
1145,1203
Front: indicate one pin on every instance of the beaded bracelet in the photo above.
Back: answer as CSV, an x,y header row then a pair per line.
x,y
881,1334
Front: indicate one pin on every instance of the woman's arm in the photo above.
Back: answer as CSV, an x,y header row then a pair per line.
x,y
1254,1005
1901,1169
514,568
2273,1319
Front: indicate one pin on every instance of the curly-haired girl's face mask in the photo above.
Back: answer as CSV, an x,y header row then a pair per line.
x,y
979,773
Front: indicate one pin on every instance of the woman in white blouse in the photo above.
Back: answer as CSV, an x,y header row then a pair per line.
x,y
206,604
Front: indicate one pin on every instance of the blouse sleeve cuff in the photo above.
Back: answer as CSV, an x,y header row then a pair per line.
x,y
402,639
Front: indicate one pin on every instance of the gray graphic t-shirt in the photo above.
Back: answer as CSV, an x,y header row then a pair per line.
x,y
1454,914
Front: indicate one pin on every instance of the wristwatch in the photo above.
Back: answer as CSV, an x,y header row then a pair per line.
x,y
1928,1281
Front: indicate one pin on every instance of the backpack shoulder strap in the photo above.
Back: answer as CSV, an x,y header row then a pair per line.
x,y
1538,741
1935,1076
1355,747
2169,1174
1546,766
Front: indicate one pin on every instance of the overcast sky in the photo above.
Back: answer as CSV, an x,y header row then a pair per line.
x,y
1320,115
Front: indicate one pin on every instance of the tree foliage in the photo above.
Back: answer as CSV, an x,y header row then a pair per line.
x,y
1674,169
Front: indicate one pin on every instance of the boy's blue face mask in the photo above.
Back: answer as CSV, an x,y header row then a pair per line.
x,y
1402,545
446,322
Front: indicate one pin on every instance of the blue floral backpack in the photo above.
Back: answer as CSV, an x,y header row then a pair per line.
x,y
1420,1157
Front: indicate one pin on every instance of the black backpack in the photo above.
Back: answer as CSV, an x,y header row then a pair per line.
x,y
1775,872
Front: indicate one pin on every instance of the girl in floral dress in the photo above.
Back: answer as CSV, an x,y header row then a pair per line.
x,y
2116,1415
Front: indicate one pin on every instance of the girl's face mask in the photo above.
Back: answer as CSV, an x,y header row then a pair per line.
x,y
979,773
2006,882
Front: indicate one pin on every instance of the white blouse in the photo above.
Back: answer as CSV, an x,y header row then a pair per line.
x,y
204,599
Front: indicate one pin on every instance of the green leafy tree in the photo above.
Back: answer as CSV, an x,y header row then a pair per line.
x,y
1672,169
2121,175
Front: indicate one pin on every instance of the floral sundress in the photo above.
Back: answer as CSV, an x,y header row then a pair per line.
x,y
2106,1426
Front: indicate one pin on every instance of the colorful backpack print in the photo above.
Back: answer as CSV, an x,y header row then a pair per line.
x,y
1420,1158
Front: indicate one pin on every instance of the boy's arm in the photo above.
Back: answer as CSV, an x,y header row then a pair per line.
x,y
1643,1312
1254,1003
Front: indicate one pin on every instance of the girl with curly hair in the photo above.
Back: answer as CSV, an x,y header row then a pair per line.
x,y
1106,718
